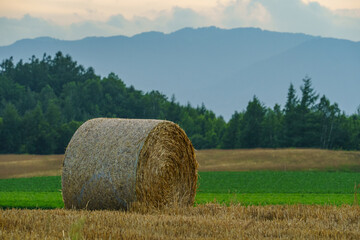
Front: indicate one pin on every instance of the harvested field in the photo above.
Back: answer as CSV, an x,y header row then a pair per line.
x,y
19,166
15,166
277,159
210,221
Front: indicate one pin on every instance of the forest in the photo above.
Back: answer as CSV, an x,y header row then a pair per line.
x,y
43,102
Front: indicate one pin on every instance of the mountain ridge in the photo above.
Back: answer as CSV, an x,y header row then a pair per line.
x,y
222,68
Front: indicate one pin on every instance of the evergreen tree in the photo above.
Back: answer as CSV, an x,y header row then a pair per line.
x,y
231,137
309,126
252,124
329,119
7,68
272,125
309,96
173,111
291,125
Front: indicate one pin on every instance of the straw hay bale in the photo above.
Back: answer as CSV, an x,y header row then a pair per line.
x,y
112,163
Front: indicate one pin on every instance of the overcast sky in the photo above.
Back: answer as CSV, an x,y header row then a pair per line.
x,y
76,19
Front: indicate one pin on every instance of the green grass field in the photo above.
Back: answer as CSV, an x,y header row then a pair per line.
x,y
248,188
278,182
35,192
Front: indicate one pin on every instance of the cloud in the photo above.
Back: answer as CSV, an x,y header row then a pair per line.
x,y
27,27
245,13
296,16
311,18
352,13
166,21
277,15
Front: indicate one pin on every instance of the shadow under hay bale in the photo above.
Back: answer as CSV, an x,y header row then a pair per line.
x,y
113,163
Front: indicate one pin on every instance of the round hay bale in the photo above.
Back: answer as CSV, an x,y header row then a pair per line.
x,y
112,163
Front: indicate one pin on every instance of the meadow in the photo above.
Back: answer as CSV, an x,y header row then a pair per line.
x,y
246,188
251,194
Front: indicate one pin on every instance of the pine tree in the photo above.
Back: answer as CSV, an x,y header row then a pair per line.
x,y
308,124
291,127
232,132
272,125
252,124
309,96
329,119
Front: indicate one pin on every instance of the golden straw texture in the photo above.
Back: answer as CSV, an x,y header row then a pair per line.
x,y
112,163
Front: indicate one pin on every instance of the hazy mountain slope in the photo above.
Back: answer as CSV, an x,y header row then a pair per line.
x,y
334,66
222,68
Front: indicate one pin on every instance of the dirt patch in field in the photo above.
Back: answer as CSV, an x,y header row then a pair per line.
x,y
16,166
277,159
211,221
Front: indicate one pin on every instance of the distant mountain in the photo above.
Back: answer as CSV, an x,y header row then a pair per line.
x,y
221,68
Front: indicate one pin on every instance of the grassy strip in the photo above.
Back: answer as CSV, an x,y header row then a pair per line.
x,y
43,200
275,198
247,188
227,182
52,200
278,182
34,184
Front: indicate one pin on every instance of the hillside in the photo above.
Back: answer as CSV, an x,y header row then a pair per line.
x,y
233,65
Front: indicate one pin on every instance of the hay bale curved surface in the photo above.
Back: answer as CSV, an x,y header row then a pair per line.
x,y
112,163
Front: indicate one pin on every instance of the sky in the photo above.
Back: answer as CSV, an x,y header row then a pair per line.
x,y
76,19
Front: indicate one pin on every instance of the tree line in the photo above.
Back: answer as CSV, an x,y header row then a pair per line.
x,y
43,102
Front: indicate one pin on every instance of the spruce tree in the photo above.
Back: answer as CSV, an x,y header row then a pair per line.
x,y
291,125
252,124
308,124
